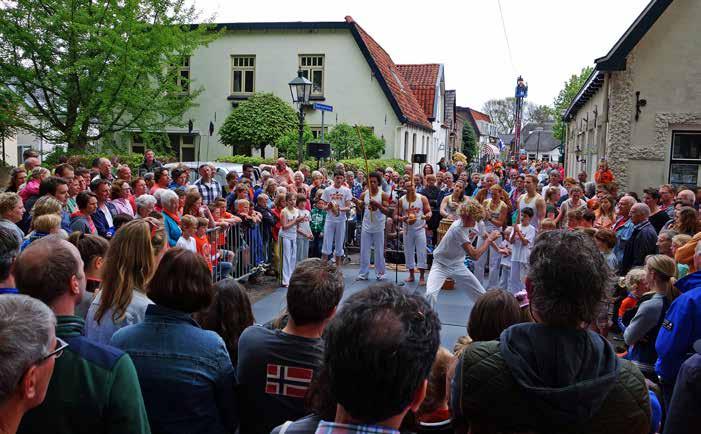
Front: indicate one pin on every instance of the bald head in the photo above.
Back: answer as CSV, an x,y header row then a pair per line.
x,y
687,197
30,163
50,268
625,204
639,213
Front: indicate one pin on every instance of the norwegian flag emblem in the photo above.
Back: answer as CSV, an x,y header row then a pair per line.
x,y
288,380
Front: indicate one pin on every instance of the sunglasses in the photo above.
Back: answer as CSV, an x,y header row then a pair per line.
x,y
58,351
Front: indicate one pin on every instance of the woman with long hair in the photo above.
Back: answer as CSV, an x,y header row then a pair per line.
x,y
185,373
605,213
686,221
131,260
18,176
641,333
428,170
228,315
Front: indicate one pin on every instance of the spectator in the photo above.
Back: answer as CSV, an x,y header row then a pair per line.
x,y
161,180
209,188
667,192
138,187
11,212
130,262
74,187
102,217
105,170
664,242
643,240
229,314
281,173
605,213
603,174
494,311
29,349
9,250
42,226
293,352
32,187
678,241
124,173
377,378
658,216
92,249
574,202
81,220
686,221
555,181
527,387
95,388
187,238
120,193
683,415
623,226
185,372
605,240
680,329
31,161
171,218
145,204
18,176
120,220
434,413
150,164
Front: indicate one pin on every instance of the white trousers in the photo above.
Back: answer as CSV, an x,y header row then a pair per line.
x,y
517,278
334,237
504,278
369,240
289,258
415,241
493,257
464,279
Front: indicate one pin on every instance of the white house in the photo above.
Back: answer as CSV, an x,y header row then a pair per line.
x,y
349,69
641,107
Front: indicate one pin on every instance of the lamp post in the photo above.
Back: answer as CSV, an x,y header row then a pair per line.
x,y
301,89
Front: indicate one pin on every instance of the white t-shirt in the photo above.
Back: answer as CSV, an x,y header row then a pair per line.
x,y
450,251
304,226
339,196
190,244
291,232
520,252
563,190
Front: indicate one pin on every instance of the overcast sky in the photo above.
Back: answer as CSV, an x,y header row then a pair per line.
x,y
550,39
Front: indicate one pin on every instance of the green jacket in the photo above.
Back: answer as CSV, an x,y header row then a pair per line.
x,y
94,389
546,380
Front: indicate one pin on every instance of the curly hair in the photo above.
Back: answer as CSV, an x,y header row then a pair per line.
x,y
569,277
472,208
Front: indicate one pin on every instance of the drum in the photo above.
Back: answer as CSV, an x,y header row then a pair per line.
x,y
443,228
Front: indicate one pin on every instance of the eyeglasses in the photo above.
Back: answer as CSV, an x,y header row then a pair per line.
x,y
58,351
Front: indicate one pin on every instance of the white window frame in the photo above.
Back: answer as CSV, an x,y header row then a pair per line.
x,y
246,64
310,64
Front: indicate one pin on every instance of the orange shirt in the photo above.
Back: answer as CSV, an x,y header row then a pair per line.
x,y
204,249
628,303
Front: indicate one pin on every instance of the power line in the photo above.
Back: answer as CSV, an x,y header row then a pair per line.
x,y
506,37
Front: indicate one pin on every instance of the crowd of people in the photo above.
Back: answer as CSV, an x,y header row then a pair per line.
x,y
582,316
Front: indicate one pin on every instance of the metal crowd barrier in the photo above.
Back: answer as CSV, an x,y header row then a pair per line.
x,y
238,251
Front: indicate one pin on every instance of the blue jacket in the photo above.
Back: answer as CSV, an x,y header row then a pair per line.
x,y
680,329
172,229
100,221
684,416
185,373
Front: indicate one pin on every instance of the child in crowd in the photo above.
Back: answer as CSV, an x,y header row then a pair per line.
x,y
43,225
187,241
434,413
574,219
522,240
605,240
279,205
678,241
505,263
290,220
547,224
202,244
304,230
318,220
636,285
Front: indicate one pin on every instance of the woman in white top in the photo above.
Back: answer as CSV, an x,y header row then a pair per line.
x,y
574,202
449,256
291,218
449,204
495,218
374,205
414,210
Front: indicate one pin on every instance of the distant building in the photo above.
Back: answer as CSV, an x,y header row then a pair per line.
x,y
539,143
485,130
640,108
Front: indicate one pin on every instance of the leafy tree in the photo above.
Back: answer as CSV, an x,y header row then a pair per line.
x,y
287,143
501,111
92,69
10,122
539,114
346,144
469,140
259,121
565,97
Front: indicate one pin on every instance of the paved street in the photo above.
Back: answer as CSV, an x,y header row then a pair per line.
x,y
451,304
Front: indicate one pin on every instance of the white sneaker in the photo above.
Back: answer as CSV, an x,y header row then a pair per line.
x,y
361,277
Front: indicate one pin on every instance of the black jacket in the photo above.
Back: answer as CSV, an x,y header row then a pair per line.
x,y
642,242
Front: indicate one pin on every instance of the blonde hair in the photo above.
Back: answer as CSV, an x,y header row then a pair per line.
x,y
548,224
46,223
46,205
38,171
129,264
188,221
666,270
680,239
472,208
633,278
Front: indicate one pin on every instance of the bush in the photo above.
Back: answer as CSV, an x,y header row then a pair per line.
x,y
76,159
353,164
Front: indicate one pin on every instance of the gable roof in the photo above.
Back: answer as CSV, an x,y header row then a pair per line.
x,y
615,59
424,80
390,78
479,116
540,141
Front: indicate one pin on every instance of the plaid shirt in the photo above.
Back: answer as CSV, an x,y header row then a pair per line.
x,y
340,428
209,192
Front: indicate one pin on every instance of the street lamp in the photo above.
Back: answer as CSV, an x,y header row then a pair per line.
x,y
301,89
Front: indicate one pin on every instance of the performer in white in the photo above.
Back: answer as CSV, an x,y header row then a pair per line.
x,y
414,210
375,206
337,199
449,256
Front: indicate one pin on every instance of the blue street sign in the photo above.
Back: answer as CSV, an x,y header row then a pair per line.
x,y
322,107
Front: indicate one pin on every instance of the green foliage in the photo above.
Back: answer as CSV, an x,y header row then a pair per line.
x,y
10,122
287,143
469,141
345,142
539,114
75,158
261,120
565,97
350,164
85,70
501,112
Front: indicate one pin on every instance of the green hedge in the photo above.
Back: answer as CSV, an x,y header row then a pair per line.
x,y
351,164
85,159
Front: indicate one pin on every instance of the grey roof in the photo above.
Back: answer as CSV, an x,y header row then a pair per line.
x,y
533,143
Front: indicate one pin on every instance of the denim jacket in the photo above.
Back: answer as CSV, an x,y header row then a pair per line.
x,y
185,373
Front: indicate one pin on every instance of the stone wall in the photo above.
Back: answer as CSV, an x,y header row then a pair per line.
x,y
621,118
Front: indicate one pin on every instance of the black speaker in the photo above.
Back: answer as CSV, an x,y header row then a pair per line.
x,y
418,158
319,150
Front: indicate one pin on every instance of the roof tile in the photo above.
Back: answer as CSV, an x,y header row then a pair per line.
x,y
422,80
